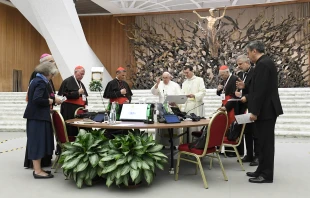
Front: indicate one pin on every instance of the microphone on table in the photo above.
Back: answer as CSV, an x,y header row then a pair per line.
x,y
194,117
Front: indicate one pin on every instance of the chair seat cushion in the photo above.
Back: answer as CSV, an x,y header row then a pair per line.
x,y
226,141
196,134
184,147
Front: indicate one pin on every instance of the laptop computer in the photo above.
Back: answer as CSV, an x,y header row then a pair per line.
x,y
133,112
177,99
170,119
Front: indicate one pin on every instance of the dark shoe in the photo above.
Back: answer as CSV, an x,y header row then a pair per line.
x,y
230,154
42,177
252,174
259,180
48,172
254,162
246,159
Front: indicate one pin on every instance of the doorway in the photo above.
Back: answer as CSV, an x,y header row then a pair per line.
x,y
17,80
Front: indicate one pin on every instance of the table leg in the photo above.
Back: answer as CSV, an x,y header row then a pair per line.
x,y
187,135
171,170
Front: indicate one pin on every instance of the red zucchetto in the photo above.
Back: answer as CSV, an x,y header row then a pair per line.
x,y
224,67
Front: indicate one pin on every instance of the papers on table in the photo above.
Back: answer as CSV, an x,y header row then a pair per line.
x,y
123,124
84,122
234,99
243,118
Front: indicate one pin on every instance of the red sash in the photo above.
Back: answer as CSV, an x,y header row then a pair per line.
x,y
231,113
76,101
120,100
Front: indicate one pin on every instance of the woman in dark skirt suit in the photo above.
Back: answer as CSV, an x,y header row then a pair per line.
x,y
39,129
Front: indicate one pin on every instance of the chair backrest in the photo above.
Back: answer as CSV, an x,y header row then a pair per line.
x,y
80,110
216,130
59,127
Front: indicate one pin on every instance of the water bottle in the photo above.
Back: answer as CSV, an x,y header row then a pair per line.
x,y
106,118
113,114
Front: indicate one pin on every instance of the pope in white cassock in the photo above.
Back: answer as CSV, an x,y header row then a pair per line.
x,y
161,89
194,88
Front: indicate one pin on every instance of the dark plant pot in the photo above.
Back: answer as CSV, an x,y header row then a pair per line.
x,y
132,185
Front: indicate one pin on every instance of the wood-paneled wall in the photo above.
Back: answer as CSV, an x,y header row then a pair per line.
x,y
21,45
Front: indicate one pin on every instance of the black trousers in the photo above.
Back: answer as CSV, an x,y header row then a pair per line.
x,y
266,141
251,141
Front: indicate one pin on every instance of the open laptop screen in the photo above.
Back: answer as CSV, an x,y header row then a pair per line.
x,y
134,112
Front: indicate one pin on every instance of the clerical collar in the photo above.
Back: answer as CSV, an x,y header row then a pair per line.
x,y
117,79
192,78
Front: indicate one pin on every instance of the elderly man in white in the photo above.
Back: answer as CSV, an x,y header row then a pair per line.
x,y
162,89
194,88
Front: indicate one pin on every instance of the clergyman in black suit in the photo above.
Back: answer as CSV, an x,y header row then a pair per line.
x,y
245,75
264,106
228,87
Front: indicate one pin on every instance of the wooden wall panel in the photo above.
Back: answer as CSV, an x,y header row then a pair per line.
x,y
21,45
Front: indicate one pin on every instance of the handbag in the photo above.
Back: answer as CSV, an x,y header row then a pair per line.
x,y
234,131
200,142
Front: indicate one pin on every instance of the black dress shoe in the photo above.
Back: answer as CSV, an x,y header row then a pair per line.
x,y
42,177
259,180
252,174
254,162
246,159
230,154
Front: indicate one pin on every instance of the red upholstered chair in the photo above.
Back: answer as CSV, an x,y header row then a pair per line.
x,y
235,144
80,110
214,140
60,132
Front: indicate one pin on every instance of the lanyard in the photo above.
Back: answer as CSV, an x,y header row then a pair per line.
x,y
246,75
226,82
77,82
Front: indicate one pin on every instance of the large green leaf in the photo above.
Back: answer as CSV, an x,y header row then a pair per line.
x,y
95,144
138,147
129,158
145,165
149,161
133,164
77,145
79,182
121,161
107,158
103,150
118,172
125,169
99,171
144,137
94,160
72,163
68,153
117,156
81,166
150,138
155,148
81,175
109,168
134,174
159,165
82,132
88,182
109,181
118,181
69,157
139,178
148,175
159,154
125,179
69,146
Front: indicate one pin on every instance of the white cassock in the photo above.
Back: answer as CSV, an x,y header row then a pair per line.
x,y
172,88
196,86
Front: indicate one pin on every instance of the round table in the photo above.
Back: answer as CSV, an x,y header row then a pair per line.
x,y
141,125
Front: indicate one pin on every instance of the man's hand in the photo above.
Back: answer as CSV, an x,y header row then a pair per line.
x,y
243,99
157,83
238,94
81,91
172,104
50,101
253,117
191,96
123,91
57,100
220,87
240,84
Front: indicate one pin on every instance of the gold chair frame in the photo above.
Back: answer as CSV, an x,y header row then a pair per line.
x,y
198,161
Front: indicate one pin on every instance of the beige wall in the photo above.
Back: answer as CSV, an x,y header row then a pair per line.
x,y
21,45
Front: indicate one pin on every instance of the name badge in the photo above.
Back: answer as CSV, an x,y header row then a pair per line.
x,y
84,97
222,96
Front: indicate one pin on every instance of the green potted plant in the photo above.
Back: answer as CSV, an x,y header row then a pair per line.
x,y
95,85
80,158
130,158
